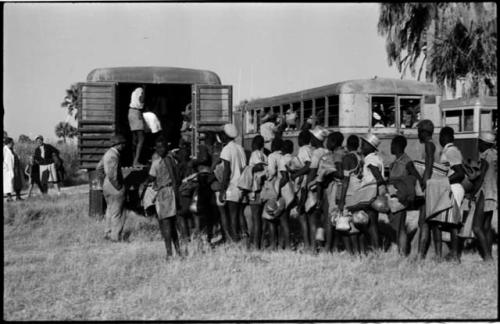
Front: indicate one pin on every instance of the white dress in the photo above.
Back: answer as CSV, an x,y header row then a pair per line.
x,y
8,170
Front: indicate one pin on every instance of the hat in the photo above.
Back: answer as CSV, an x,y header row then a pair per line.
x,y
426,125
230,130
118,139
319,132
487,137
372,140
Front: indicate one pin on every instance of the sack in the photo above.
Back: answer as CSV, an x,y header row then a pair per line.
x,y
342,223
245,180
268,191
362,197
287,193
360,217
472,174
311,201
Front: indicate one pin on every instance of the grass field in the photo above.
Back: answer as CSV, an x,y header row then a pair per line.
x,y
58,267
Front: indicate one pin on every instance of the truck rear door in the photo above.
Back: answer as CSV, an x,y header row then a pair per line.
x,y
96,122
212,108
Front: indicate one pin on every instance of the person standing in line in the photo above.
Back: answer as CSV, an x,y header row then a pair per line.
x,y
486,194
258,162
43,157
18,175
136,123
373,169
319,134
165,182
284,180
8,168
425,130
268,130
234,161
113,189
299,177
32,171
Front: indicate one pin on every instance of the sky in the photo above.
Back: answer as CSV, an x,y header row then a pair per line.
x,y
260,49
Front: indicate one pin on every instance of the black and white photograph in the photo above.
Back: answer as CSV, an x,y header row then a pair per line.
x,y
194,161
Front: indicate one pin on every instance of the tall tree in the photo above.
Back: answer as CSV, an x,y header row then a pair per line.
x,y
64,130
70,101
452,40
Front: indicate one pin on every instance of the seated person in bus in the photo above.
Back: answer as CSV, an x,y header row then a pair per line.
x,y
377,120
485,194
290,119
136,122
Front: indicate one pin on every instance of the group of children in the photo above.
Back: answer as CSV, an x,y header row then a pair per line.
x,y
333,194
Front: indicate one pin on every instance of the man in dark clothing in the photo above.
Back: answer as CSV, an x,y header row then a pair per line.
x,y
43,156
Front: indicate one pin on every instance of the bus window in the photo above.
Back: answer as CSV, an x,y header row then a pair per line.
x,y
409,112
494,121
320,110
468,120
333,111
249,121
460,120
290,116
257,118
275,110
308,113
383,112
488,120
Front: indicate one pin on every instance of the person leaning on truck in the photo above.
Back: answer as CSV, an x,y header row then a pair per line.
x,y
113,188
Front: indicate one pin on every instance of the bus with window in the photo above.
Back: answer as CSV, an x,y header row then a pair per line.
x,y
385,107
469,117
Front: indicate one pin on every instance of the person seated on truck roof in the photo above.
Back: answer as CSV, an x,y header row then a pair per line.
x,y
136,123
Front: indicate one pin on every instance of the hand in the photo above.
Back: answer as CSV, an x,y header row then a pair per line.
x,y
222,196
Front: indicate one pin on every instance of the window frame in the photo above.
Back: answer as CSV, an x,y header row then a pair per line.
x,y
462,119
397,112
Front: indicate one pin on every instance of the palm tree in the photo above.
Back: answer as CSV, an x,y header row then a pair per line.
x,y
71,100
65,130
454,41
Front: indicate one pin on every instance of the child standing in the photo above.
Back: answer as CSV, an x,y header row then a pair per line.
x,y
257,162
32,171
164,178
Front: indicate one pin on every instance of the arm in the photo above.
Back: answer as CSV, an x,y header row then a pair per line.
x,y
258,167
410,168
429,161
111,168
479,182
458,175
226,175
300,172
376,173
283,180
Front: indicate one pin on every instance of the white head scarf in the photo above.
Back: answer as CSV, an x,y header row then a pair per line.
x,y
135,101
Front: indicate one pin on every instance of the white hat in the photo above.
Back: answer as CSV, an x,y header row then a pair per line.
x,y
372,140
230,130
319,132
487,137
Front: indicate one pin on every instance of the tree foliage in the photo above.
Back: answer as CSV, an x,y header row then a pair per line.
x,y
70,101
24,139
453,40
64,130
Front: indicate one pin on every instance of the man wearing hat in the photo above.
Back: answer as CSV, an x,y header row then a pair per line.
x,y
234,161
373,169
43,156
486,193
113,188
319,134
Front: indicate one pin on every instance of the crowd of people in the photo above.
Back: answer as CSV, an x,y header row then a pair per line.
x,y
334,194
43,168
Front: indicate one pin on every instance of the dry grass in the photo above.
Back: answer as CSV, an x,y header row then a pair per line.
x,y
57,267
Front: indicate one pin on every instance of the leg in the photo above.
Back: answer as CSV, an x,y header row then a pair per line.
x,y
272,235
354,238
256,232
234,217
172,228
437,240
115,217
373,228
311,222
454,243
479,228
165,233
305,230
244,226
224,220
285,229
329,233
402,234
30,189
140,142
488,230
347,242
